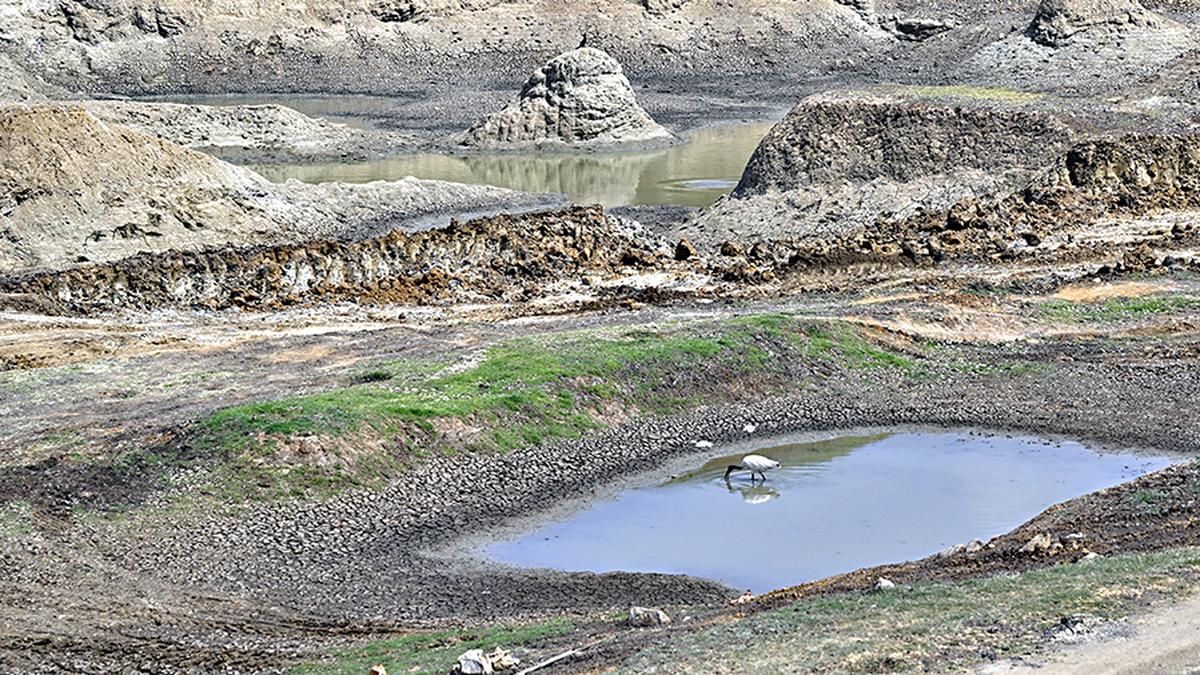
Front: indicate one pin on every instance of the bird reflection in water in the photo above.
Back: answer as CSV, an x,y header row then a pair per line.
x,y
754,494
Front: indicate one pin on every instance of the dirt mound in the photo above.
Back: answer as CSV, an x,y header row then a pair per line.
x,y
505,258
840,162
75,190
578,98
261,133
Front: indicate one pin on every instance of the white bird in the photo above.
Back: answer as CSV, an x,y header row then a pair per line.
x,y
755,464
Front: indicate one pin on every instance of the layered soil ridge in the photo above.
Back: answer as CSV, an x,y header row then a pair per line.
x,y
500,258
1101,198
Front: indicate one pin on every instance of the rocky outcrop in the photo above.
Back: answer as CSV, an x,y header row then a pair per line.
x,y
580,98
95,21
490,259
400,11
1058,21
663,6
75,190
394,46
250,133
902,27
1082,46
839,162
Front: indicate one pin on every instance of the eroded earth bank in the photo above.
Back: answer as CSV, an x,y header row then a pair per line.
x,y
258,426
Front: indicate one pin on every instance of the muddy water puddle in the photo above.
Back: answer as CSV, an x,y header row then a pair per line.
x,y
695,173
834,506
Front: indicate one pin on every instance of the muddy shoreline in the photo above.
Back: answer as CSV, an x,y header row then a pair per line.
x,y
443,498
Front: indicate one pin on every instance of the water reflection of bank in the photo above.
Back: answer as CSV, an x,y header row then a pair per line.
x,y
693,174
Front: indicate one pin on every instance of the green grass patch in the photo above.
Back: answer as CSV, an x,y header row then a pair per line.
x,y
840,342
517,393
527,377
1115,309
1148,501
940,626
432,652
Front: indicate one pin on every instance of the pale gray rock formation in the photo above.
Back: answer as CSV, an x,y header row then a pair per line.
x,y
266,133
421,10
580,98
74,190
864,8
663,6
1057,21
840,162
1082,45
898,26
392,46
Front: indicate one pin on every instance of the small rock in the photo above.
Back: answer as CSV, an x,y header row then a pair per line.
x,y
645,617
953,550
704,444
473,662
750,428
742,599
760,251
884,584
685,250
1040,543
1090,558
502,659
731,250
975,546
377,670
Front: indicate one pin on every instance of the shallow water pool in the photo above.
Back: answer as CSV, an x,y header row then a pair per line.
x,y
695,173
834,506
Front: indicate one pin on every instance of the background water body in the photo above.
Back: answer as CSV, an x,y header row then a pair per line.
x,y
835,506
694,174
